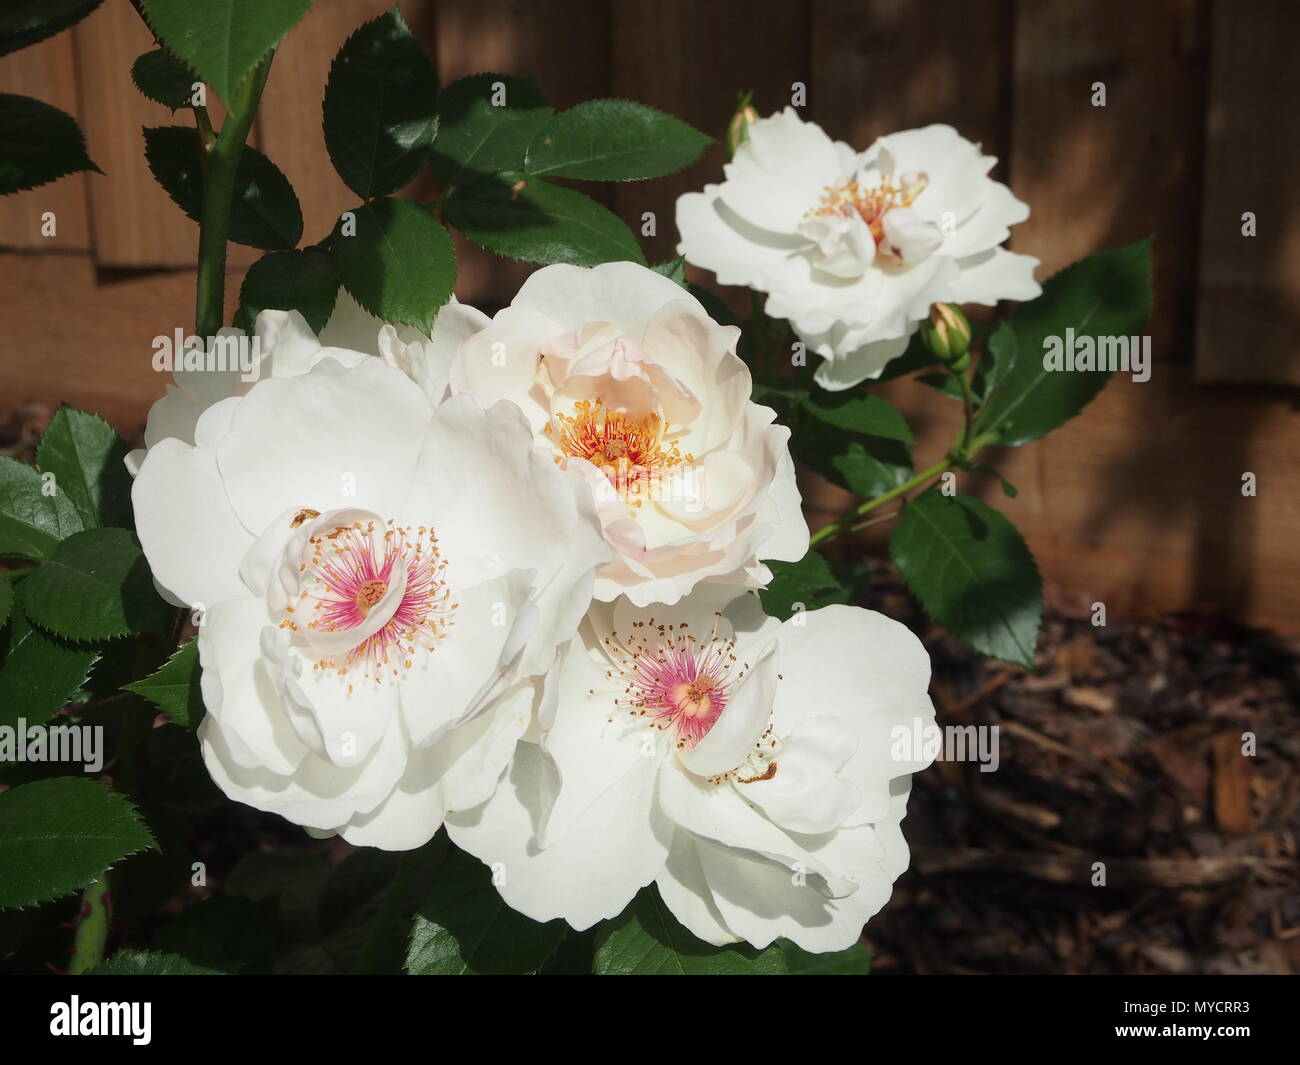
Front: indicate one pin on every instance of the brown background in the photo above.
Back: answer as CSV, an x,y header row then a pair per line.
x,y
1137,504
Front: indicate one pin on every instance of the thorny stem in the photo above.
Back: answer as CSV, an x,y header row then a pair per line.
x,y
852,518
92,927
218,190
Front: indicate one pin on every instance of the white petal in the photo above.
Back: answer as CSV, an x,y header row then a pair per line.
x,y
624,294
571,878
805,794
592,743
339,437
715,238
190,534
872,673
458,772
853,367
449,685
686,892
780,172
719,813
239,691
497,504
996,275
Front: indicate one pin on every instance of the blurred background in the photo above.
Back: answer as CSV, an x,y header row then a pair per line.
x,y
1122,746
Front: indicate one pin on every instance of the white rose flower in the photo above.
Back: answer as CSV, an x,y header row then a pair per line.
x,y
623,376
286,347
853,247
744,766
381,582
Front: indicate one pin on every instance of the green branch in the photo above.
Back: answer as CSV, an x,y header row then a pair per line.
x,y
92,927
218,192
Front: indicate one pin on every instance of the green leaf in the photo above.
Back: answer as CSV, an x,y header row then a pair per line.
x,y
150,963
264,212
95,586
674,270
39,673
529,220
1105,295
613,140
809,582
486,124
222,40
34,514
38,143
464,927
399,264
6,599
868,414
163,78
380,107
87,459
856,961
972,572
302,281
646,940
866,465
174,688
24,22
58,835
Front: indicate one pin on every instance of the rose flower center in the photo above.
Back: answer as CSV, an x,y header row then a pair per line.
x,y
631,452
870,203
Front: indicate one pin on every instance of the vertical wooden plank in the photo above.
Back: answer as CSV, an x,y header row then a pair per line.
x,y
46,71
1141,495
1096,177
72,336
888,65
134,223
693,61
564,45
1249,287
289,120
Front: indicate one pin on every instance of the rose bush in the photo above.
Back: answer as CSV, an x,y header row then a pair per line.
x,y
542,578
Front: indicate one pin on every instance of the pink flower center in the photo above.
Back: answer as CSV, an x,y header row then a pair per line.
x,y
673,680
347,574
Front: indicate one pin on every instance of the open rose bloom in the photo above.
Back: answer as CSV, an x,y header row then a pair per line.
x,y
743,765
383,585
623,377
854,247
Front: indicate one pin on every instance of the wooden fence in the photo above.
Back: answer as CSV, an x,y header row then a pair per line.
x,y
1138,503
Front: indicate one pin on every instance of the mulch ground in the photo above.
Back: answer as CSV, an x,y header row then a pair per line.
x,y
1125,748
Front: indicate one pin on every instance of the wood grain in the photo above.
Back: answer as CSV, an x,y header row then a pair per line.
x,y
694,61
1249,287
78,334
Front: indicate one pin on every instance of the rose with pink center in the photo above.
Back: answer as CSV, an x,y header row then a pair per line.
x,y
336,523
748,768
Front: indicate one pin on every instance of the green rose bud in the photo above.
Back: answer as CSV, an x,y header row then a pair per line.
x,y
738,130
947,333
